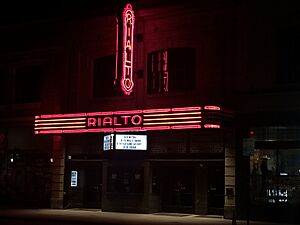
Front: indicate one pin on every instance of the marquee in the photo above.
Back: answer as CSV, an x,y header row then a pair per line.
x,y
195,117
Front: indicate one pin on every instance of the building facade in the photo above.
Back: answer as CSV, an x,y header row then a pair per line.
x,y
211,87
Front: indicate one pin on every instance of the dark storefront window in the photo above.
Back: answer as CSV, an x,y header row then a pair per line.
x,y
125,180
103,77
275,176
28,84
3,86
171,70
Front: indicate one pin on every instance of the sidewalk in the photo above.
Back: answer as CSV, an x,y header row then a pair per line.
x,y
96,216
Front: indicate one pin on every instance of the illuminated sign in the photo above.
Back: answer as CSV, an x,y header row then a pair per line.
x,y
127,50
108,141
165,71
74,178
132,120
130,142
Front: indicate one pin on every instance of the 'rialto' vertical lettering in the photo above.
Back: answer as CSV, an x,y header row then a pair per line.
x,y
127,51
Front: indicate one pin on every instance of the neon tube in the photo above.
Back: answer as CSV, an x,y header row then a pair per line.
x,y
128,129
212,126
117,51
66,127
157,128
63,115
170,118
127,56
187,127
212,107
67,123
186,109
127,112
156,110
173,114
99,113
52,120
177,122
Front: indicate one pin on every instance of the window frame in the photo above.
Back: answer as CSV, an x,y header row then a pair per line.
x,y
165,69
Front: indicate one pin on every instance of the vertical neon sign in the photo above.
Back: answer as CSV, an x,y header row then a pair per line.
x,y
127,51
165,71
117,51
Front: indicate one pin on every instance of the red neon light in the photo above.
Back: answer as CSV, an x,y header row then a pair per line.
x,y
211,107
65,123
177,122
157,128
173,114
61,127
127,56
57,120
186,109
101,130
165,71
128,112
75,131
156,110
186,127
63,115
122,120
173,118
99,113
50,131
212,126
128,129
117,51
129,120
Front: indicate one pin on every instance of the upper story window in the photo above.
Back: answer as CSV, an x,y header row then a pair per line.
x,y
171,70
103,77
3,85
28,81
289,56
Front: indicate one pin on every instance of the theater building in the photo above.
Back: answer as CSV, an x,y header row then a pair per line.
x,y
159,107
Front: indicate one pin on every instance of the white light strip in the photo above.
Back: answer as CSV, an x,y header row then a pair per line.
x,y
67,127
53,120
66,123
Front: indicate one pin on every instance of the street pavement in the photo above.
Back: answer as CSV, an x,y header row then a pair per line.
x,y
92,216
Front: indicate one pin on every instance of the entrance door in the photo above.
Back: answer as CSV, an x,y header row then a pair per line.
x,y
86,189
216,189
92,189
178,190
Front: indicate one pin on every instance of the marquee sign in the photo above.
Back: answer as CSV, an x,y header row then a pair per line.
x,y
132,120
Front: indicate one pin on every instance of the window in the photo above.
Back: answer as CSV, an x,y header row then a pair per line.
x,y
103,77
289,56
275,176
28,84
171,70
3,86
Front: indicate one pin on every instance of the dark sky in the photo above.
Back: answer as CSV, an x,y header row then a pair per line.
x,y
15,12
20,11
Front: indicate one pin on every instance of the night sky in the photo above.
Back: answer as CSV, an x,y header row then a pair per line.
x,y
14,12
17,12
